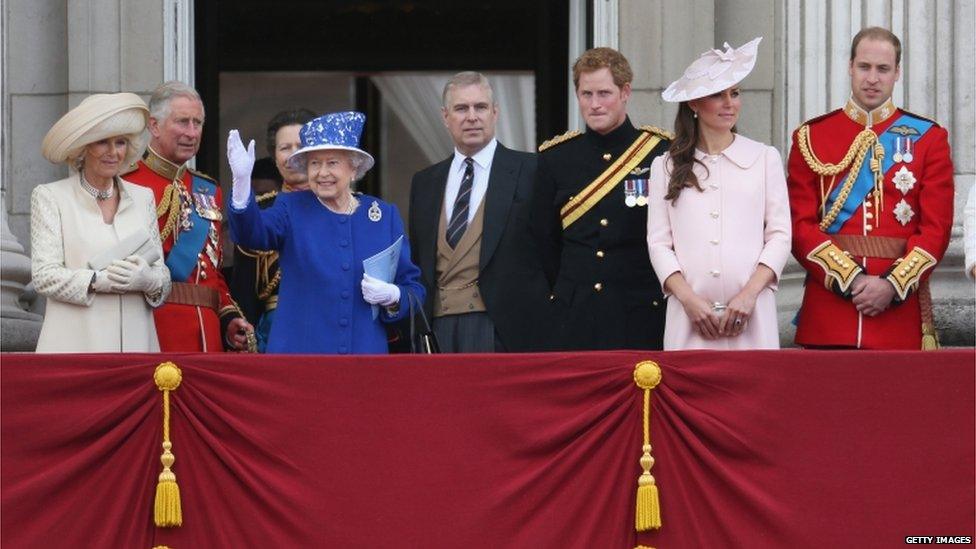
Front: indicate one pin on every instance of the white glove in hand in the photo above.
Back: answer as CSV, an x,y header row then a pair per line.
x,y
377,292
132,274
241,164
103,284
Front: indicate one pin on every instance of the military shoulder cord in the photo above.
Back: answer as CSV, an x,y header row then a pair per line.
x,y
864,142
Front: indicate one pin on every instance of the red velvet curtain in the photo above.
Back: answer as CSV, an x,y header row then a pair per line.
x,y
753,449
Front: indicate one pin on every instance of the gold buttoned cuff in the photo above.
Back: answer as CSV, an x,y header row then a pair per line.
x,y
906,272
839,268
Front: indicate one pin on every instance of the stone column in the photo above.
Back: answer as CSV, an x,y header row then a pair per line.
x,y
660,38
20,327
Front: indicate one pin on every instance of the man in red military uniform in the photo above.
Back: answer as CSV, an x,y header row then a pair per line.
x,y
871,194
199,314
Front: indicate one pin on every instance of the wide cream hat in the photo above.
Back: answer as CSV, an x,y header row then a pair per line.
x,y
714,71
98,117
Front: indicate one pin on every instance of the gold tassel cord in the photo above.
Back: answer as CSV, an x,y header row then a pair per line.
x,y
930,338
168,511
647,375
864,142
170,207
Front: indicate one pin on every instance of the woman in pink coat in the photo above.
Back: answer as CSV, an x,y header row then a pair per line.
x,y
718,229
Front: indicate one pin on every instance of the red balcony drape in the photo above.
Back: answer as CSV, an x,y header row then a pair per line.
x,y
753,449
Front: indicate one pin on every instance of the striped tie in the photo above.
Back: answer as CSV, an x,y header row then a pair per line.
x,y
459,219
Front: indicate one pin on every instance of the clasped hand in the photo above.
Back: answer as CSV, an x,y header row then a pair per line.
x,y
132,274
871,295
710,324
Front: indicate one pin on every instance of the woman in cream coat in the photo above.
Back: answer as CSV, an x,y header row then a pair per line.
x,y
92,213
719,223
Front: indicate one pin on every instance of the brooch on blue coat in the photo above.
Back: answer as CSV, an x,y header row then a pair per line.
x,y
374,212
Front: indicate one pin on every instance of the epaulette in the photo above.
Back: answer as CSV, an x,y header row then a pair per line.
x,y
927,119
818,118
559,139
266,196
202,175
130,168
656,130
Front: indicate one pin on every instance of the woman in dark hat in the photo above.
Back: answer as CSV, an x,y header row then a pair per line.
x,y
327,303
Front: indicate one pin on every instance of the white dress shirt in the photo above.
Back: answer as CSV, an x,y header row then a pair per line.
x,y
482,167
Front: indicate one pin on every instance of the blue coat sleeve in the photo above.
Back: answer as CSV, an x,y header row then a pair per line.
x,y
260,229
408,275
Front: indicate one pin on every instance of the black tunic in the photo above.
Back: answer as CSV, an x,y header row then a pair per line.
x,y
605,292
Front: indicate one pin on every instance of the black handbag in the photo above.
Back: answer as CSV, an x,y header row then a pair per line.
x,y
424,342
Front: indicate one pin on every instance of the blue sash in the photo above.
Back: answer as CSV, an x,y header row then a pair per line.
x,y
182,257
864,183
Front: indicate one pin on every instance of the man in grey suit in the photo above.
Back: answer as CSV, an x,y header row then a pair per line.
x,y
469,213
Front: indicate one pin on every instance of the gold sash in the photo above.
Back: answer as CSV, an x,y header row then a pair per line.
x,y
602,185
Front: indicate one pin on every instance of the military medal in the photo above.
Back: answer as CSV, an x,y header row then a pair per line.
x,y
630,192
374,214
641,192
211,247
904,180
903,212
185,201
903,150
206,205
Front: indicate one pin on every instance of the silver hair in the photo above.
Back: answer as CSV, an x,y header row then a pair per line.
x,y
163,95
467,78
358,162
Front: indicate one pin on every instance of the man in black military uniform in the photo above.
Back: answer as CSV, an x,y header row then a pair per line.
x,y
591,214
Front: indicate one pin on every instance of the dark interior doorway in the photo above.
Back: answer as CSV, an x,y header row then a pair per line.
x,y
366,36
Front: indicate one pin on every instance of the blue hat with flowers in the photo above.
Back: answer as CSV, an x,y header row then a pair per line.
x,y
333,131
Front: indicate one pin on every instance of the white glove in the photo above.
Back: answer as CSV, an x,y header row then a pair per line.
x,y
103,284
241,164
132,274
377,292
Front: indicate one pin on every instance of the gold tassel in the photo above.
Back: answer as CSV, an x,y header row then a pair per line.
x,y
647,375
168,511
930,339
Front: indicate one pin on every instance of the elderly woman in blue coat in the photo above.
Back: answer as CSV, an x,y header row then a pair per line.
x,y
326,301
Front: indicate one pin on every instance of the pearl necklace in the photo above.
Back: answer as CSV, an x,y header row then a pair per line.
x,y
353,202
97,194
